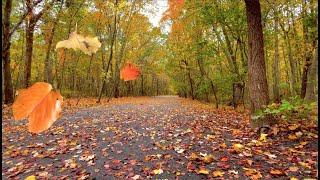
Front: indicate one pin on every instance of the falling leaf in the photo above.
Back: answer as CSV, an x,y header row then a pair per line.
x,y
88,45
218,174
129,72
41,105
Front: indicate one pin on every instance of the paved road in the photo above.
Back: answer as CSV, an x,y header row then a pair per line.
x,y
142,138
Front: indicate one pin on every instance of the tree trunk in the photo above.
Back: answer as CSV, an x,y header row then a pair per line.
x,y
275,65
311,87
113,39
47,61
29,49
258,87
142,86
292,66
190,79
8,89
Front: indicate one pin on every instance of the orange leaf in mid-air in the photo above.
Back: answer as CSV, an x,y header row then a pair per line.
x,y
40,104
129,72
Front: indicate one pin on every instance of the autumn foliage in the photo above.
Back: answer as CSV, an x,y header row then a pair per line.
x,y
129,72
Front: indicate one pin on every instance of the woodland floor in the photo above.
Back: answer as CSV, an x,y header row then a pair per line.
x,y
158,138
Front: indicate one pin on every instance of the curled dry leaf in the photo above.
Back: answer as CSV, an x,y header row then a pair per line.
x,y
88,45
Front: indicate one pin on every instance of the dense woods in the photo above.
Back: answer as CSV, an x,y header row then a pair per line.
x,y
223,52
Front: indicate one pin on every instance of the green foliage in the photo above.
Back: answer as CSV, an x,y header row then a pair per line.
x,y
292,109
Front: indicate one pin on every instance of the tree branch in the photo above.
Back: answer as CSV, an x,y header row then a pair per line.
x,y
22,18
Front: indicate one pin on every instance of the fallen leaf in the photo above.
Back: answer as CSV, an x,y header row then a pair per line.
x,y
276,172
208,159
238,147
193,157
263,137
218,173
30,178
293,127
292,137
157,171
293,169
203,171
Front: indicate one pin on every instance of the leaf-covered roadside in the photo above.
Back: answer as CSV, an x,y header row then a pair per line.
x,y
161,137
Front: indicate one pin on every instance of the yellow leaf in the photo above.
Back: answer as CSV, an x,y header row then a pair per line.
x,y
223,145
193,157
263,137
293,178
208,159
238,147
276,172
305,165
203,171
157,171
218,174
293,169
292,137
293,127
31,178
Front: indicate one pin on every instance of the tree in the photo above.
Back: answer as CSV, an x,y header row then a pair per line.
x,y
258,87
32,19
275,65
8,89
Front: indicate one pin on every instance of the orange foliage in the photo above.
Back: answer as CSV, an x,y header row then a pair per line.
x,y
174,10
129,72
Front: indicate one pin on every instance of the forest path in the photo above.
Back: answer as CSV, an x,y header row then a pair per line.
x,y
160,137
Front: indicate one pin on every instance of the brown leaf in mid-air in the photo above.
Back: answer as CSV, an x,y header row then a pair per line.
x,y
88,45
29,98
40,104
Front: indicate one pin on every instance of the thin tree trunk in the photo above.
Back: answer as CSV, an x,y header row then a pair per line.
x,y
113,39
189,79
258,86
8,89
275,65
47,61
